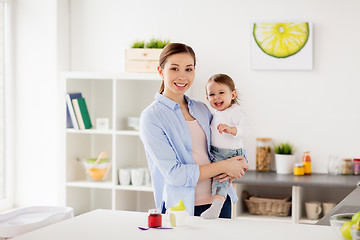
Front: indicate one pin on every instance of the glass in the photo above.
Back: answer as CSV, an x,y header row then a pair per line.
x,y
347,166
154,218
263,154
356,166
334,165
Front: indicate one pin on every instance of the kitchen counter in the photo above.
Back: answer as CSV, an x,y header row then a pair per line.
x,y
115,225
350,204
315,179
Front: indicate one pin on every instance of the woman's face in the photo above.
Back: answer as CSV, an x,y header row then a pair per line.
x,y
178,75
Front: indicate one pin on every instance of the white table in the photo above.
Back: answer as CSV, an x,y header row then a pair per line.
x,y
117,225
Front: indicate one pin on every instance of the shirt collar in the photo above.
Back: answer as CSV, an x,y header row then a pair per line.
x,y
170,103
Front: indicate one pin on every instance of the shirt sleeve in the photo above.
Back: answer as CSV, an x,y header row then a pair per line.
x,y
161,152
239,120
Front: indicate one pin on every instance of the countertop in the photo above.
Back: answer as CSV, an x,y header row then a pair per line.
x,y
313,180
115,225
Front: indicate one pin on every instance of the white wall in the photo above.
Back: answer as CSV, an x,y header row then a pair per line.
x,y
318,109
36,138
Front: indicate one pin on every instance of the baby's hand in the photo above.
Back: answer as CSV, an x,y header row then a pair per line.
x,y
226,129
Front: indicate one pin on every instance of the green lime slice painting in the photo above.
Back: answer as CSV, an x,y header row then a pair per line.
x,y
281,46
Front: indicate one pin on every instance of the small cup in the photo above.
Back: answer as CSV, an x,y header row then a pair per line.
x,y
137,176
327,207
147,177
313,210
124,176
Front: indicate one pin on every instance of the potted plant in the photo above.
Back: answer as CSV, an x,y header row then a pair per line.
x,y
144,56
284,158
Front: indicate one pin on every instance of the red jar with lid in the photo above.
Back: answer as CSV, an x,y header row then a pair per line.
x,y
154,218
356,166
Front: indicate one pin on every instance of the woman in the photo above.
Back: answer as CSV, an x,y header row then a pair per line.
x,y
176,135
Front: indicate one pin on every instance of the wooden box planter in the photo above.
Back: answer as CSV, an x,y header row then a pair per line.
x,y
143,60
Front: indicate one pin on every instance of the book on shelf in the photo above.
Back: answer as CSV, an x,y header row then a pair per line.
x,y
82,113
71,121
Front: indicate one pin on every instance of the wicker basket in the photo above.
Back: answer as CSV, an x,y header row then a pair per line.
x,y
274,206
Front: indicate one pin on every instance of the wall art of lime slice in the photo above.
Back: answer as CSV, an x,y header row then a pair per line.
x,y
281,40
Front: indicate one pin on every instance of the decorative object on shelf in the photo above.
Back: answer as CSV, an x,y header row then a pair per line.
x,y
124,176
82,113
137,176
334,165
102,123
144,56
263,154
284,158
133,122
307,162
327,207
97,168
281,46
71,121
313,210
270,206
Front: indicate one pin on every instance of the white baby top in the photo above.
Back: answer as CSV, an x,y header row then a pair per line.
x,y
233,116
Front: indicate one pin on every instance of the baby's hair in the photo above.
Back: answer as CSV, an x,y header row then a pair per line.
x,y
226,80
171,49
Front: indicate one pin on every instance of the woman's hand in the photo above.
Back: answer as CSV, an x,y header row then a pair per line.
x,y
235,167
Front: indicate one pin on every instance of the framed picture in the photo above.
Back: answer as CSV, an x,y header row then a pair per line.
x,y
281,46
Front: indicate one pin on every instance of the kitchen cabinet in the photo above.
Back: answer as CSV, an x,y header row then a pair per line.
x,y
315,187
115,97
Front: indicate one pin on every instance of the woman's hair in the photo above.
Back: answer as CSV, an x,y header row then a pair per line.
x,y
226,80
171,49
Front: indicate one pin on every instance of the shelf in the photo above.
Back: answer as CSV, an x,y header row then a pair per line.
x,y
135,188
111,76
89,131
90,184
109,132
128,133
249,216
108,185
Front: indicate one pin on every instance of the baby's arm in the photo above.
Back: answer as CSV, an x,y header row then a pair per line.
x,y
226,129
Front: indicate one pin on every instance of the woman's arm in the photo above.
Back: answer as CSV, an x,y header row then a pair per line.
x,y
234,167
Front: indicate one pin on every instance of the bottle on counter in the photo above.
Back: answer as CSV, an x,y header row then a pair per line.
x,y
356,166
307,162
263,154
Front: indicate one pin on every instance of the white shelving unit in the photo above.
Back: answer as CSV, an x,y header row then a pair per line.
x,y
115,96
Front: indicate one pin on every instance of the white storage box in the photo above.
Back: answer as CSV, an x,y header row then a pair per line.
x,y
28,219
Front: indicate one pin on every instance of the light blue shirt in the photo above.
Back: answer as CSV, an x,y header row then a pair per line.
x,y
168,147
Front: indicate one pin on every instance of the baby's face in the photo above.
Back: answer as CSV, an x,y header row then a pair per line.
x,y
219,95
